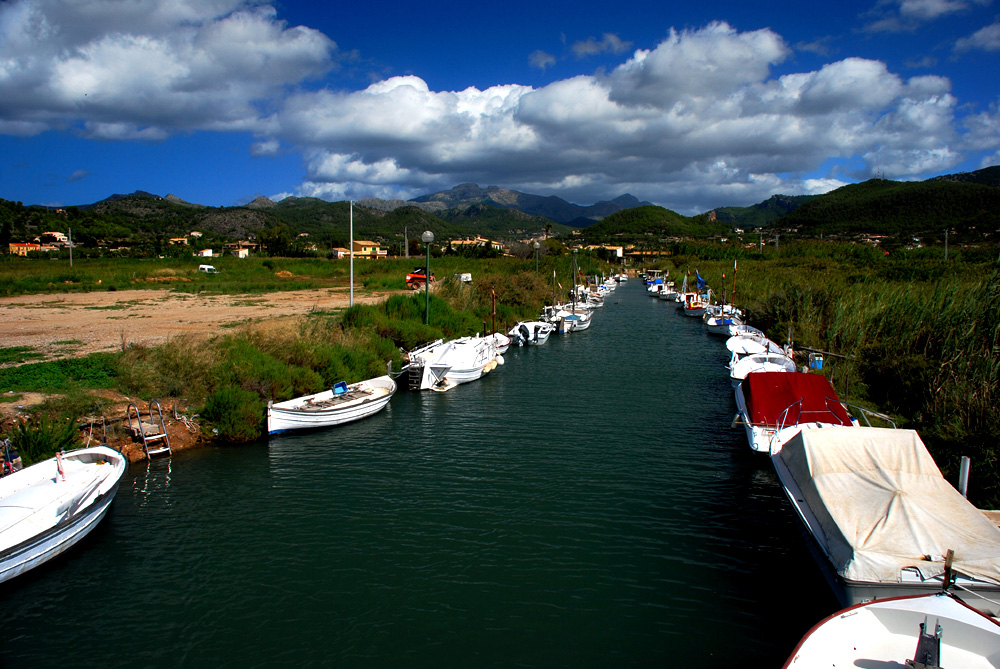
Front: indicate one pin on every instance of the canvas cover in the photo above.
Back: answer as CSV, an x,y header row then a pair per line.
x,y
883,505
768,394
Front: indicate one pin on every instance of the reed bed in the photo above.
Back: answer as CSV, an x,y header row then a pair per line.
x,y
920,338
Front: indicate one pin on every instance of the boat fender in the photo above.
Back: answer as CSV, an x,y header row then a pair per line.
x,y
498,361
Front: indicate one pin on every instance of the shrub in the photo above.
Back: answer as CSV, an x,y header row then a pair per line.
x,y
236,414
39,439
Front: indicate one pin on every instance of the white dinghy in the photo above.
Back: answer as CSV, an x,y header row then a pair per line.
x,y
341,404
51,505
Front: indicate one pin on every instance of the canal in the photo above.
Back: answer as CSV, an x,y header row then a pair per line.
x,y
587,504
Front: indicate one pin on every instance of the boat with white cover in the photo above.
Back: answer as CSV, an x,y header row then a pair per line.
x,y
341,404
531,333
50,506
773,406
883,522
937,630
442,365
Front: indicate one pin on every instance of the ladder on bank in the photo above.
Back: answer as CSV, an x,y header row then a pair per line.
x,y
155,440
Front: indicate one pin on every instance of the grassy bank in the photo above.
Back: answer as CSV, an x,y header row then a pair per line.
x,y
229,378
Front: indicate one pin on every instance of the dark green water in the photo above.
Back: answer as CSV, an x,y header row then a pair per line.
x,y
585,505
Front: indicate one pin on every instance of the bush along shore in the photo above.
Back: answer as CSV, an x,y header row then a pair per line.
x,y
227,379
907,334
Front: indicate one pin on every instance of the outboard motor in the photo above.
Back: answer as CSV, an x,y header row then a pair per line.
x,y
525,334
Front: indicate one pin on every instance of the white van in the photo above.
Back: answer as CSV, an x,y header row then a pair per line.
x,y
208,269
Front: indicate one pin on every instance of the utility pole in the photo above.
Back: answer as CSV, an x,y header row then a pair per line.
x,y
70,237
406,242
945,245
352,253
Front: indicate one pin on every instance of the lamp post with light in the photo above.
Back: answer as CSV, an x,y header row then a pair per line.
x,y
536,257
427,238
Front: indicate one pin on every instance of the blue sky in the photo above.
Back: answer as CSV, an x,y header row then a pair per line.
x,y
692,106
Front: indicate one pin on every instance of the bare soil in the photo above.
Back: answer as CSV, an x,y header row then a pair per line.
x,y
78,324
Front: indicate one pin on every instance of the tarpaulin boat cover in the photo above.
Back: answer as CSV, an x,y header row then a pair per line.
x,y
883,505
768,394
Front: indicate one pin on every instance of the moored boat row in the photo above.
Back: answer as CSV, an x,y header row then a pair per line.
x,y
894,539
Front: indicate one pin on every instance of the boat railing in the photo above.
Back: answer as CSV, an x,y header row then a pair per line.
x,y
856,410
803,416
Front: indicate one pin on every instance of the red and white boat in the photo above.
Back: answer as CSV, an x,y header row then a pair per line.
x,y
774,406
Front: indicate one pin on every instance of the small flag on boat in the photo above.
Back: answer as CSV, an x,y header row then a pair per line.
x,y
701,281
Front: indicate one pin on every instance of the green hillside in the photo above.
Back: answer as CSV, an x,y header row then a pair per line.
x,y
879,206
762,213
650,223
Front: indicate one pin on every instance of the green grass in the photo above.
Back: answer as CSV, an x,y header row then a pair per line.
x,y
94,371
18,354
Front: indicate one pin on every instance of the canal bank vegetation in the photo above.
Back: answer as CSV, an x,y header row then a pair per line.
x,y
905,332
227,379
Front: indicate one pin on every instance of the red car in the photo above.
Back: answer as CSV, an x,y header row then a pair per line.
x,y
417,278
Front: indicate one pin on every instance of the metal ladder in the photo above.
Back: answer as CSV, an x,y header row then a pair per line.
x,y
155,440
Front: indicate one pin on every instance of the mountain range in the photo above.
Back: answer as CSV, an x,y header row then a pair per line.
x,y
969,200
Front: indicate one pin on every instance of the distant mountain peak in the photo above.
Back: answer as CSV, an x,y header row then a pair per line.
x,y
551,207
261,202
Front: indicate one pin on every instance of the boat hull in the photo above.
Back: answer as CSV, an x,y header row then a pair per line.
x,y
285,417
94,498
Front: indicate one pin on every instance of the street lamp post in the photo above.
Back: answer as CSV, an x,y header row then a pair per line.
x,y
427,238
536,257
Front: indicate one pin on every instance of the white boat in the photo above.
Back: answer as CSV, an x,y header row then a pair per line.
x,y
773,406
568,318
669,292
722,325
500,341
883,522
695,306
341,404
443,365
739,368
938,630
751,344
48,507
531,333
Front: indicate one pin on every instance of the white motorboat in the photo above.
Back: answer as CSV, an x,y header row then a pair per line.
x,y
883,522
937,630
568,318
48,507
531,333
773,406
443,365
341,404
739,368
669,292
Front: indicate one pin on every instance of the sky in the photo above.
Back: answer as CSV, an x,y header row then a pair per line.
x,y
691,106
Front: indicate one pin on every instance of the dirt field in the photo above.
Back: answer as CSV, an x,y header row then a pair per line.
x,y
71,325
78,324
